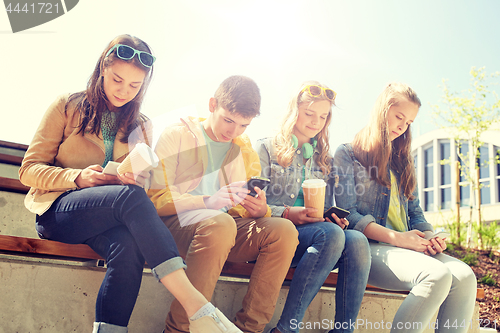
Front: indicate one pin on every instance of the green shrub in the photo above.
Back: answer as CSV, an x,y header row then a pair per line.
x,y
470,259
487,279
451,246
489,234
451,227
493,257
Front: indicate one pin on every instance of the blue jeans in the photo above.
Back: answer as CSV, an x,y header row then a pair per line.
x,y
324,246
120,223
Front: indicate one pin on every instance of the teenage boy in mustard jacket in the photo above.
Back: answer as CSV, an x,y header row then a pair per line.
x,y
199,190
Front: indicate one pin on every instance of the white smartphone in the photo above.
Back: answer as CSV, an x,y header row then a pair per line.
x,y
440,234
111,168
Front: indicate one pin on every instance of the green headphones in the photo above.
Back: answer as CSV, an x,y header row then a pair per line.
x,y
307,148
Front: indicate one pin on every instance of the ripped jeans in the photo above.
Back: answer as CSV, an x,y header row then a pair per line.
x,y
324,246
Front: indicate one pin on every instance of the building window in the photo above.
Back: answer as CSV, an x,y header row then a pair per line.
x,y
445,174
429,201
444,147
485,193
446,198
484,174
463,158
428,179
465,196
428,159
497,160
483,162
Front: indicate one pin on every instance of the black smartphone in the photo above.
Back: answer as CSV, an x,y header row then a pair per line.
x,y
341,213
260,182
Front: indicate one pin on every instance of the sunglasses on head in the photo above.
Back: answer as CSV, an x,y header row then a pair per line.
x,y
315,91
126,52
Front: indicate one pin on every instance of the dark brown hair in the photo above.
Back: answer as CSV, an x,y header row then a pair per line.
x,y
239,94
91,103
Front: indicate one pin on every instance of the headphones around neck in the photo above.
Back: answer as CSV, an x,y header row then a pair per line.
x,y
307,148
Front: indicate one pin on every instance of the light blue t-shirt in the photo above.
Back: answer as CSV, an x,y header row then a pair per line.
x,y
217,151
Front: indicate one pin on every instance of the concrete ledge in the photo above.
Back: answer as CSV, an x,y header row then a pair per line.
x,y
45,296
15,219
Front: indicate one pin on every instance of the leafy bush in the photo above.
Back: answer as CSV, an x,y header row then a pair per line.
x,y
451,247
451,227
489,235
487,279
470,259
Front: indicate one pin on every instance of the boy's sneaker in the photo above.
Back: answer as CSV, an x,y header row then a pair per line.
x,y
215,322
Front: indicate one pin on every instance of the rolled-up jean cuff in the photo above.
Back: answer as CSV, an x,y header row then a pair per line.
x,y
168,267
108,328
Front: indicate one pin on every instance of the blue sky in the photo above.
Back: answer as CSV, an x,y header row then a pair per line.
x,y
355,47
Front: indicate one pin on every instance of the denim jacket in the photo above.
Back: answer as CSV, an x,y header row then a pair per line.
x,y
367,200
286,182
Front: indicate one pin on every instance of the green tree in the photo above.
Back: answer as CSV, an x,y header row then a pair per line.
x,y
466,116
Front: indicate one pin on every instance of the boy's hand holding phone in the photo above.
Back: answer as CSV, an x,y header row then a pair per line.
x,y
227,196
255,205
259,182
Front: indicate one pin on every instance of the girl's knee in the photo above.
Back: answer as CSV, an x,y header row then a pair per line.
x,y
135,193
332,231
465,278
357,244
440,276
356,240
133,197
119,248
331,235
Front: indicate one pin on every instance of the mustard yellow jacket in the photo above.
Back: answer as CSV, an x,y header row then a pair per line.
x,y
57,155
183,161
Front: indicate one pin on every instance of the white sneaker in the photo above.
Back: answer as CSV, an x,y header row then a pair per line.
x,y
215,322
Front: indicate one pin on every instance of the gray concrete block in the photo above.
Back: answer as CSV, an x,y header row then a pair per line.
x,y
53,298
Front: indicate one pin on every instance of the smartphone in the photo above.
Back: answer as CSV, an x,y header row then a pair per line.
x,y
341,213
260,182
111,168
440,234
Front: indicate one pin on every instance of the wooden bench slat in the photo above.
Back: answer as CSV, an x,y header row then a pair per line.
x,y
10,159
13,145
82,251
42,246
13,185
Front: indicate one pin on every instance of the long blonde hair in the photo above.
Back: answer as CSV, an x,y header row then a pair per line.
x,y
283,139
373,148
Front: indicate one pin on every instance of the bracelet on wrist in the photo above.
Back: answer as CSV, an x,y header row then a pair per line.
x,y
286,212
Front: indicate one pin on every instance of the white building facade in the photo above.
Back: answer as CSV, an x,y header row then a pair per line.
x,y
437,189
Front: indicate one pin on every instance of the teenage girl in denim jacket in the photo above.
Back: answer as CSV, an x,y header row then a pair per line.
x,y
301,151
76,202
377,184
